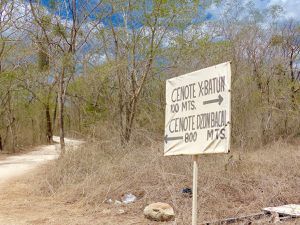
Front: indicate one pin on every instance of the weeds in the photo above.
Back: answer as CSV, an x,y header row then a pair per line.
x,y
229,185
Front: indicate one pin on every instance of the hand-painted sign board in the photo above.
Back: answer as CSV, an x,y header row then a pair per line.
x,y
197,117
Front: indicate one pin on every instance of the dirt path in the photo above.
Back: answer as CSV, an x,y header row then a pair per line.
x,y
13,166
20,204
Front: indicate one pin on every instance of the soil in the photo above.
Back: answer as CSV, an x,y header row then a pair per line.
x,y
18,206
21,205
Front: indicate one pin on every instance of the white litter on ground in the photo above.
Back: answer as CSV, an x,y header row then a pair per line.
x,y
128,198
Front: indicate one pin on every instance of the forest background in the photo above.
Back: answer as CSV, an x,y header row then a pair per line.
x,y
70,67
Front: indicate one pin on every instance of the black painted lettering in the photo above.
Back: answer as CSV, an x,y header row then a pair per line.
x,y
210,134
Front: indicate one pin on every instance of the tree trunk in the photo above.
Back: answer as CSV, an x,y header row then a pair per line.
x,y
1,148
130,118
11,121
261,90
293,98
49,133
54,114
61,112
33,134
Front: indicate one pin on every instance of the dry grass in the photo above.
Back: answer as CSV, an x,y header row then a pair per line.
x,y
229,185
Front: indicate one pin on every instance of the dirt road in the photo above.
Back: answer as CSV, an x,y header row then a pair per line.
x,y
17,165
20,205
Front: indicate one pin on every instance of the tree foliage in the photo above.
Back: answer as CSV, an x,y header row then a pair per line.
x,y
72,65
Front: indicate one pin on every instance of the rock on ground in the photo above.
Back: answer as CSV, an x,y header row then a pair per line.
x,y
159,212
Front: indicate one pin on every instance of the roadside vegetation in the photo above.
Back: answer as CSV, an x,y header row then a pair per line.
x,y
241,183
97,72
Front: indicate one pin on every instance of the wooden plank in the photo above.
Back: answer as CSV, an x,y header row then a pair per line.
x,y
237,219
286,210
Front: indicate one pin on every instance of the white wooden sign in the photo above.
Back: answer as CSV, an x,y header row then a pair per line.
x,y
198,112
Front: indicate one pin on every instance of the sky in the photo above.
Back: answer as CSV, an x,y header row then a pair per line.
x,y
291,10
291,7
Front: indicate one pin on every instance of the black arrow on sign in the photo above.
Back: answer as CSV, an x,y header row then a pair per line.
x,y
172,138
218,100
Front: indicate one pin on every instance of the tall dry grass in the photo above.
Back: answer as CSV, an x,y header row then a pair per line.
x,y
229,185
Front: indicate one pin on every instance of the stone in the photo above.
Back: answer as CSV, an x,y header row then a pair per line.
x,y
159,212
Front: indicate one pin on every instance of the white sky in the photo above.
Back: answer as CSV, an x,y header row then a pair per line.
x,y
291,7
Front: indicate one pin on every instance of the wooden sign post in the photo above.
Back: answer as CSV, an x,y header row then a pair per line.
x,y
195,189
198,116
